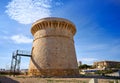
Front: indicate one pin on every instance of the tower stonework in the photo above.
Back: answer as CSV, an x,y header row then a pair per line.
x,y
53,51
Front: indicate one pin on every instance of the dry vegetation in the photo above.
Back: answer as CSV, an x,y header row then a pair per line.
x,y
22,79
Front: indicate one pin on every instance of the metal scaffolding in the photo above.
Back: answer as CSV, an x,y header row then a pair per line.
x,y
16,60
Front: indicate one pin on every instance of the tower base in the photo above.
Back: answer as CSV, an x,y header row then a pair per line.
x,y
53,72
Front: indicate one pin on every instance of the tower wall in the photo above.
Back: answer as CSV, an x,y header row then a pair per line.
x,y
53,52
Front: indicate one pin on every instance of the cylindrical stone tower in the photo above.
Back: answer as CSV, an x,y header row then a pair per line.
x,y
53,51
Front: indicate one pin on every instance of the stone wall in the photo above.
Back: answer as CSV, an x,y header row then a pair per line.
x,y
53,52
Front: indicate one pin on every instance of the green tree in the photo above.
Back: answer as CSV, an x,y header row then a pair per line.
x,y
85,66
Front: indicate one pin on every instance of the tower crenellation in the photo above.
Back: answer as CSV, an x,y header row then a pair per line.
x,y
53,23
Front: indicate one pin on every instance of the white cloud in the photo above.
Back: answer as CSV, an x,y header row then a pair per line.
x,y
89,59
21,39
28,11
94,47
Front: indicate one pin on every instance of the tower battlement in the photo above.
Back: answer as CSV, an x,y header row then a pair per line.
x,y
53,22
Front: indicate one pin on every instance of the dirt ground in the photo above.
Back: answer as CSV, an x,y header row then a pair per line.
x,y
20,79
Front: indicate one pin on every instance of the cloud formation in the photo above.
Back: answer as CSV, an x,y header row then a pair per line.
x,y
89,59
28,11
21,39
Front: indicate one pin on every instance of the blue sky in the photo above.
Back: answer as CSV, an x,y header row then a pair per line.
x,y
97,23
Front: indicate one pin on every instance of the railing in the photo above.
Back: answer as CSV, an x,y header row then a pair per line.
x,y
23,52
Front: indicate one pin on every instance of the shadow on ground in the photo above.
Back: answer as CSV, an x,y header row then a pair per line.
x,y
4,79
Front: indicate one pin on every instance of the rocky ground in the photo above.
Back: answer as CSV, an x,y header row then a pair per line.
x,y
22,79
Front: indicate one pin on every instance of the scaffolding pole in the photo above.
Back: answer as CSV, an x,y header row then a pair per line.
x,y
16,60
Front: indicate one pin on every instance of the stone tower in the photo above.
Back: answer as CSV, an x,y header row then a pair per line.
x,y
53,51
